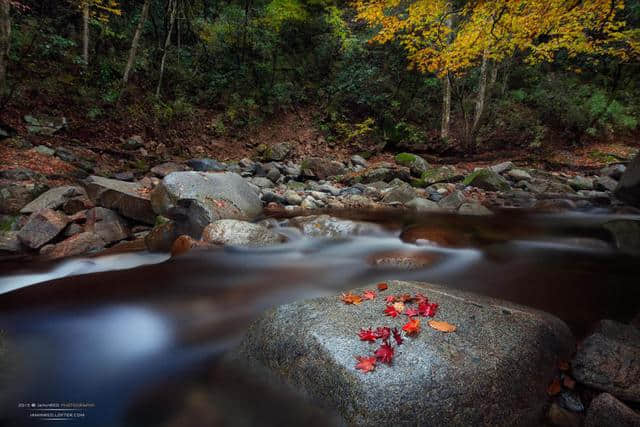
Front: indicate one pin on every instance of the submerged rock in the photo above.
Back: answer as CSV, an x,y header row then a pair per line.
x,y
493,370
328,226
129,199
239,233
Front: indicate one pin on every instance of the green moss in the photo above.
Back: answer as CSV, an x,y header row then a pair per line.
x,y
418,182
295,185
469,179
405,159
161,220
8,223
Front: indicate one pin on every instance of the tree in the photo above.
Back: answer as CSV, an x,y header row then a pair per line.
x,y
135,41
100,9
488,32
5,41
173,5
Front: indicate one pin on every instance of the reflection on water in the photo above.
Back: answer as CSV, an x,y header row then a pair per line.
x,y
139,336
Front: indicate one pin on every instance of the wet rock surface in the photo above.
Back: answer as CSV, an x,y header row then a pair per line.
x,y
607,411
129,199
239,233
502,353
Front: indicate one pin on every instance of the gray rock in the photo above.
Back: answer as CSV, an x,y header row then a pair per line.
x,y
53,199
605,183
44,150
452,201
277,152
321,168
561,417
473,208
292,171
384,174
519,175
80,244
613,171
161,237
581,183
309,203
65,155
20,174
328,188
332,227
570,400
262,182
107,224
134,142
292,197
166,168
232,232
607,411
422,205
196,199
9,242
129,199
626,234
44,125
628,188
73,229
206,165
124,176
416,164
502,354
502,167
487,180
273,174
401,193
359,160
15,195
440,174
42,227
608,360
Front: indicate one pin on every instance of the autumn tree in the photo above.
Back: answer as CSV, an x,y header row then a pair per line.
x,y
451,39
98,9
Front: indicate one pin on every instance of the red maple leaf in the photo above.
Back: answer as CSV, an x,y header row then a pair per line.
x,y
366,364
404,298
412,326
420,299
411,312
382,286
351,298
367,335
428,309
390,299
383,333
385,353
391,311
368,295
397,336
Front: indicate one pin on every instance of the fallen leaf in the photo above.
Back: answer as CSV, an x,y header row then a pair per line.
x,y
428,309
442,326
391,311
554,388
369,295
397,336
404,298
385,353
351,298
399,307
412,326
568,382
383,333
411,312
383,286
367,335
563,365
420,299
366,364
390,299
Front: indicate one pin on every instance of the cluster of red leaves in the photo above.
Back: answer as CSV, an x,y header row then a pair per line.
x,y
397,305
357,299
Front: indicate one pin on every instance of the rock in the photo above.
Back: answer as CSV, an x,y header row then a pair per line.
x,y
80,244
292,197
277,152
441,174
487,180
65,155
359,160
502,167
401,193
519,175
44,150
196,199
555,205
608,360
383,174
503,354
161,237
628,189
165,169
605,183
206,165
15,195
129,199
570,400
9,242
124,176
453,200
607,411
416,164
20,174
321,168
625,234
231,232
107,224
309,203
134,142
613,171
581,183
42,227
473,209
76,204
273,174
422,205
73,229
44,125
53,199
560,417
328,226
262,182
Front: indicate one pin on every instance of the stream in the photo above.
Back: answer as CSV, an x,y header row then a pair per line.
x,y
135,339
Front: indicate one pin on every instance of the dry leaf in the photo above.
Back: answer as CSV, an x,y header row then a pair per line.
x,y
351,298
382,286
442,326
554,388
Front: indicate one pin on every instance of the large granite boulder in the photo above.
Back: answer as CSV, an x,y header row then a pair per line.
x,y
416,164
487,179
42,227
239,233
493,370
629,186
198,198
608,360
321,168
53,199
129,199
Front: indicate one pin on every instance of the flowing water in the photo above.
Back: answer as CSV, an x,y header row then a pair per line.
x,y
135,339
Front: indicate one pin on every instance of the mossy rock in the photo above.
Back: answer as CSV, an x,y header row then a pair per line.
x,y
415,163
488,180
441,174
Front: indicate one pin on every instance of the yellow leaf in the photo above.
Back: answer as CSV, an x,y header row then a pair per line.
x,y
442,326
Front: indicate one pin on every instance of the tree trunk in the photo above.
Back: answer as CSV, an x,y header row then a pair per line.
x,y
135,41
173,6
446,108
85,33
5,41
480,102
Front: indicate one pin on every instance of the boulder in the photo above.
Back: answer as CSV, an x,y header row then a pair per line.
x,y
453,200
165,169
206,165
422,205
487,179
129,199
42,227
277,152
519,175
416,164
613,171
608,360
359,160
473,208
161,237
581,183
321,168
44,125
607,411
107,224
628,188
15,195
502,167
401,193
80,244
196,199
232,232
441,174
328,226
53,199
9,242
493,370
